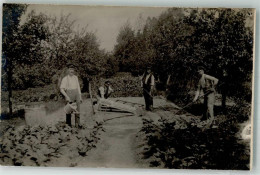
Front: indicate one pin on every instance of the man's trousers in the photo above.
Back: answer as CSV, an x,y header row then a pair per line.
x,y
148,98
74,97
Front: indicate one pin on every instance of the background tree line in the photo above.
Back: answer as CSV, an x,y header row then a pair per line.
x,y
180,40
36,51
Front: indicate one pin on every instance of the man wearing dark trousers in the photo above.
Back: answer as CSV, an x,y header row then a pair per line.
x,y
147,84
70,88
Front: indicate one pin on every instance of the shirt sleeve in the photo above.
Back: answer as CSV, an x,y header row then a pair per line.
x,y
102,91
152,80
110,89
64,83
141,79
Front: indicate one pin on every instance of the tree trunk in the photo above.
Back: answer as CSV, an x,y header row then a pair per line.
x,y
85,85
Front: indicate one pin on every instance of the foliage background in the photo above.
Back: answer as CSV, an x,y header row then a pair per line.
x,y
36,52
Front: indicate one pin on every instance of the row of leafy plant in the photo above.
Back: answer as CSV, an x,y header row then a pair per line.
x,y
47,145
178,144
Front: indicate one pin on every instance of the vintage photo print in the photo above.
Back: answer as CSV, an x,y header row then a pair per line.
x,y
127,87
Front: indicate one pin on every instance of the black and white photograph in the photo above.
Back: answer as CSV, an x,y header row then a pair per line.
x,y
127,87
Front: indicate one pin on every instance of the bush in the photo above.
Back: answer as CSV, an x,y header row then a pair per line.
x,y
124,85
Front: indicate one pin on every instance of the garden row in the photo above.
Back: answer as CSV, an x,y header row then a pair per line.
x,y
57,145
184,142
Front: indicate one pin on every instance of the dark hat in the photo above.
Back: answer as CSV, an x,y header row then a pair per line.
x,y
200,68
70,65
148,67
107,82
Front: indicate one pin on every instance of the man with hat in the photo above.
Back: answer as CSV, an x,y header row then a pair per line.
x,y
207,84
70,88
147,84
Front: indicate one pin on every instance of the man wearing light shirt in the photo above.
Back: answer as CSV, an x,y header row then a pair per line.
x,y
70,88
147,84
207,84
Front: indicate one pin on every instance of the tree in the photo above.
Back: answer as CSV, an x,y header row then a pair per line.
x,y
123,48
87,57
29,66
66,45
178,41
225,47
11,17
60,42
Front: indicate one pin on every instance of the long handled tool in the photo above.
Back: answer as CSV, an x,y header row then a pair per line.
x,y
197,99
91,100
180,109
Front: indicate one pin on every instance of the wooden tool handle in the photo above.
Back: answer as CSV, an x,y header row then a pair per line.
x,y
91,100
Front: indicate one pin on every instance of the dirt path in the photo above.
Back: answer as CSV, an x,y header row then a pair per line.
x,y
116,148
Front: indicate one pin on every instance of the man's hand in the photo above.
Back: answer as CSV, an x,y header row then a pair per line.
x,y
67,99
80,99
152,91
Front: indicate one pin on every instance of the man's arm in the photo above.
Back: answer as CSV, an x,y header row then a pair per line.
x,y
142,80
212,79
152,84
215,80
62,90
63,87
102,92
110,89
197,94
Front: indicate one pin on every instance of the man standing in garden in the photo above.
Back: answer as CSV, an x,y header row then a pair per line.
x,y
207,84
147,84
70,88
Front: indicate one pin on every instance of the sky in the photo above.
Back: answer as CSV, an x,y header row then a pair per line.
x,y
105,21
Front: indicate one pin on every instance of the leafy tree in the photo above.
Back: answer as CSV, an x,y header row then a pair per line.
x,y
178,41
60,42
225,47
31,36
11,17
87,56
123,50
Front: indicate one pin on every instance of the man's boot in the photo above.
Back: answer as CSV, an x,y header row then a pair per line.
x,y
77,120
68,119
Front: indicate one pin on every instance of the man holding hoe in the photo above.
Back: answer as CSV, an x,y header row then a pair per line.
x,y
207,84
